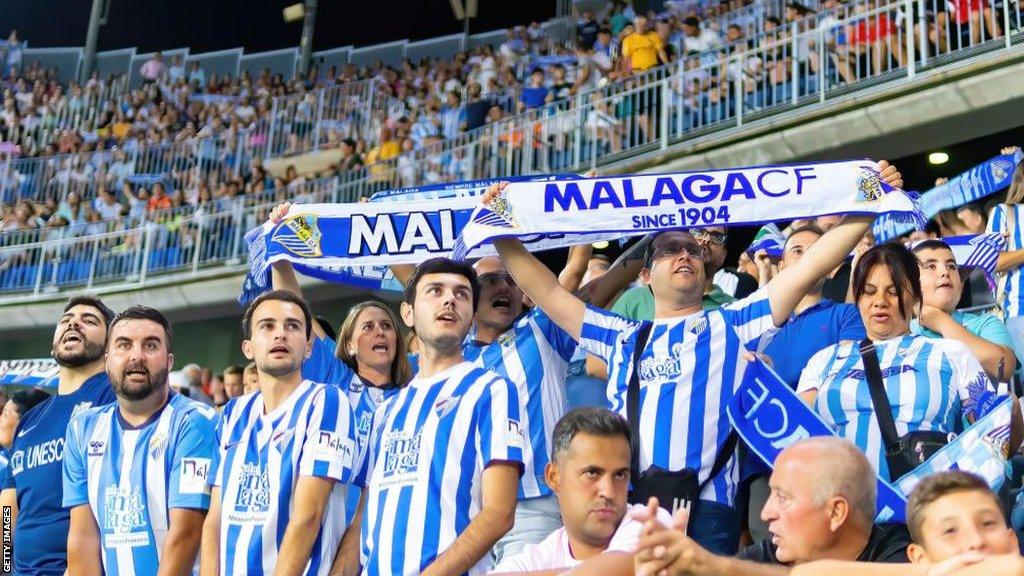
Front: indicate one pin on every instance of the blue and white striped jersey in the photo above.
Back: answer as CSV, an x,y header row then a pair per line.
x,y
533,355
260,459
131,477
931,384
324,367
1013,296
688,372
428,448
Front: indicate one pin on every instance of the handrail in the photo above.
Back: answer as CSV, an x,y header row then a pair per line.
x,y
629,118
130,256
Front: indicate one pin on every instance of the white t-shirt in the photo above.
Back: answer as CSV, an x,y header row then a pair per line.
x,y
554,553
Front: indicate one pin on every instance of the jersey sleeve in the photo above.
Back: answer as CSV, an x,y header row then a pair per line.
x,y
560,341
193,461
997,220
329,449
324,367
602,331
75,473
813,375
500,436
751,317
970,383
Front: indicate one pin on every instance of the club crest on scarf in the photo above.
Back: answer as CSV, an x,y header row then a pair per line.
x,y
998,441
498,213
300,235
869,186
1001,168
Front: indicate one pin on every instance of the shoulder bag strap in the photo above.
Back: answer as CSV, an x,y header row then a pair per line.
x,y
633,399
883,410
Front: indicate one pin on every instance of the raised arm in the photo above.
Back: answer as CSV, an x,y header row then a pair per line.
x,y
308,504
209,558
575,267
282,274
988,353
536,281
540,284
496,517
604,290
787,289
182,542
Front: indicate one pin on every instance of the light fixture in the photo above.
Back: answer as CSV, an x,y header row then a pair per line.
x,y
294,13
938,158
600,245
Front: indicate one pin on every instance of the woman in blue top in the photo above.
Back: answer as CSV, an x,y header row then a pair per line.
x,y
369,360
931,383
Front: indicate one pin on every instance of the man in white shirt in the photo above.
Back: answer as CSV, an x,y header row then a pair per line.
x,y
589,473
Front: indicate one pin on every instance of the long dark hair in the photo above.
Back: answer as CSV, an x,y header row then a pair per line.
x,y
901,264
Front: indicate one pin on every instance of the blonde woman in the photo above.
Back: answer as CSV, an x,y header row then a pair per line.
x,y
369,360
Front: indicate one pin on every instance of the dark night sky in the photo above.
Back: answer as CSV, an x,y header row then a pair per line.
x,y
257,25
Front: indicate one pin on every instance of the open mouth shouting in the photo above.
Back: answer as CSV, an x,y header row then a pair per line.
x,y
72,336
502,304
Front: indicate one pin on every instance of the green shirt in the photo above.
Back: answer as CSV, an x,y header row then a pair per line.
x,y
637,303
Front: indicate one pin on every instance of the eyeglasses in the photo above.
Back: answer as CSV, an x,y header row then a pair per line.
x,y
713,237
495,278
674,248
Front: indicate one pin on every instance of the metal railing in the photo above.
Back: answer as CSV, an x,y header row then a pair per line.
x,y
803,63
795,66
166,242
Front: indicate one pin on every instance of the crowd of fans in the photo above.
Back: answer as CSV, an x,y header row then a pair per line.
x,y
201,135
453,449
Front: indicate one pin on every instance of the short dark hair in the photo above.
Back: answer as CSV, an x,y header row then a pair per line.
x,y
94,302
812,228
902,266
279,296
931,244
586,420
938,485
138,312
441,266
26,400
233,370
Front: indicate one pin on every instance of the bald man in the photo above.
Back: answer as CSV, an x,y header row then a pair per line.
x,y
822,506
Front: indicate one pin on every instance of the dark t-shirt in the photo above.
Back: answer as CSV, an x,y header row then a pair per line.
x,y
476,113
887,543
587,32
836,286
